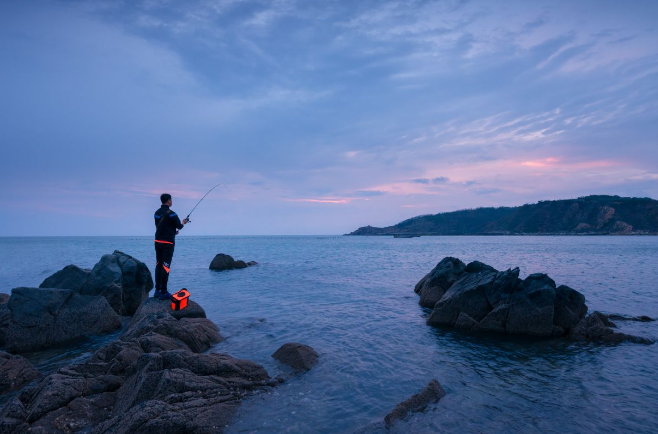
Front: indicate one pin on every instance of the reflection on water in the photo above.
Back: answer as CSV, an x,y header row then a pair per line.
x,y
352,300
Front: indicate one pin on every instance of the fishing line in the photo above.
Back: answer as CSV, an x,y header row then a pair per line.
x,y
197,204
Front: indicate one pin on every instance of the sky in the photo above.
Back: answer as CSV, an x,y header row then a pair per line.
x,y
318,116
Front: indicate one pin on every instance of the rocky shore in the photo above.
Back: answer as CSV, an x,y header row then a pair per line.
x,y
154,378
478,297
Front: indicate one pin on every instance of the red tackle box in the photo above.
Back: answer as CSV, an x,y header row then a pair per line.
x,y
179,299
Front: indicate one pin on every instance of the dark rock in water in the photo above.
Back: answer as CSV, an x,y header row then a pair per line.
x,y
570,307
298,356
641,318
123,280
479,297
69,277
432,287
222,262
151,380
598,327
532,306
15,371
42,317
154,305
432,393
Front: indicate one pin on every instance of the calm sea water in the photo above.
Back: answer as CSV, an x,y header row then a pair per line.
x,y
352,299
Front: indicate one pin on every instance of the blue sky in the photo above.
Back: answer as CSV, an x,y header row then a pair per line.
x,y
319,116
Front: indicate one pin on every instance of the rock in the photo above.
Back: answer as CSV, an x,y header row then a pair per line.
x,y
641,318
432,393
198,334
222,262
150,380
298,356
432,287
570,307
123,280
467,295
5,318
532,307
69,277
598,327
153,305
15,371
42,317
4,298
482,298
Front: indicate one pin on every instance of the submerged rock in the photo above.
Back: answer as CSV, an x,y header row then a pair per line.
x,y
44,317
479,297
300,357
432,393
222,262
598,327
15,371
152,379
123,280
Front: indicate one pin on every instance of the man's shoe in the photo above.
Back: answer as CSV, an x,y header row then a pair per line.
x,y
165,296
156,294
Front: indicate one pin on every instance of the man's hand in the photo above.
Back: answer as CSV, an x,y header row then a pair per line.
x,y
177,231
185,221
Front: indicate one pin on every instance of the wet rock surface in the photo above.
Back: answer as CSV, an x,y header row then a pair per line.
x,y
432,393
152,379
15,372
222,262
298,356
44,317
478,297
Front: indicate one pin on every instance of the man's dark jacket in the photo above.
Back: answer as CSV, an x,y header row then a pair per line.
x,y
166,223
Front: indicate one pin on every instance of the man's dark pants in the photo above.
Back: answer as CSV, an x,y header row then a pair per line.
x,y
164,253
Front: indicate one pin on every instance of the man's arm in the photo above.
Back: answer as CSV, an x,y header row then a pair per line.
x,y
177,222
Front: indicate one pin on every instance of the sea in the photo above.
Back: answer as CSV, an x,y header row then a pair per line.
x,y
352,300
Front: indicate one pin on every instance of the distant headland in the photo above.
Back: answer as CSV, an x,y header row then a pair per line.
x,y
589,215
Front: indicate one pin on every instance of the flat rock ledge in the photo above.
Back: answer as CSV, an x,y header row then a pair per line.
x,y
298,356
222,262
479,297
432,393
15,372
153,379
153,305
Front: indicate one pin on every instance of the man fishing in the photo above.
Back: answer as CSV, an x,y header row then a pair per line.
x,y
167,225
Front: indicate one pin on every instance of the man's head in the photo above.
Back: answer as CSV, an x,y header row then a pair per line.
x,y
165,198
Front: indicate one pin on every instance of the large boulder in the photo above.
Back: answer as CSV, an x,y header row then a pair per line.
x,y
481,298
298,356
15,371
123,280
154,305
222,262
45,317
432,393
69,277
432,287
152,379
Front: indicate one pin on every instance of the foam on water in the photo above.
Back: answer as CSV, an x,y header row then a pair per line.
x,y
351,298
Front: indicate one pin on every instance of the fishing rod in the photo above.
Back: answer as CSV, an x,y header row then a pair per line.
x,y
197,204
